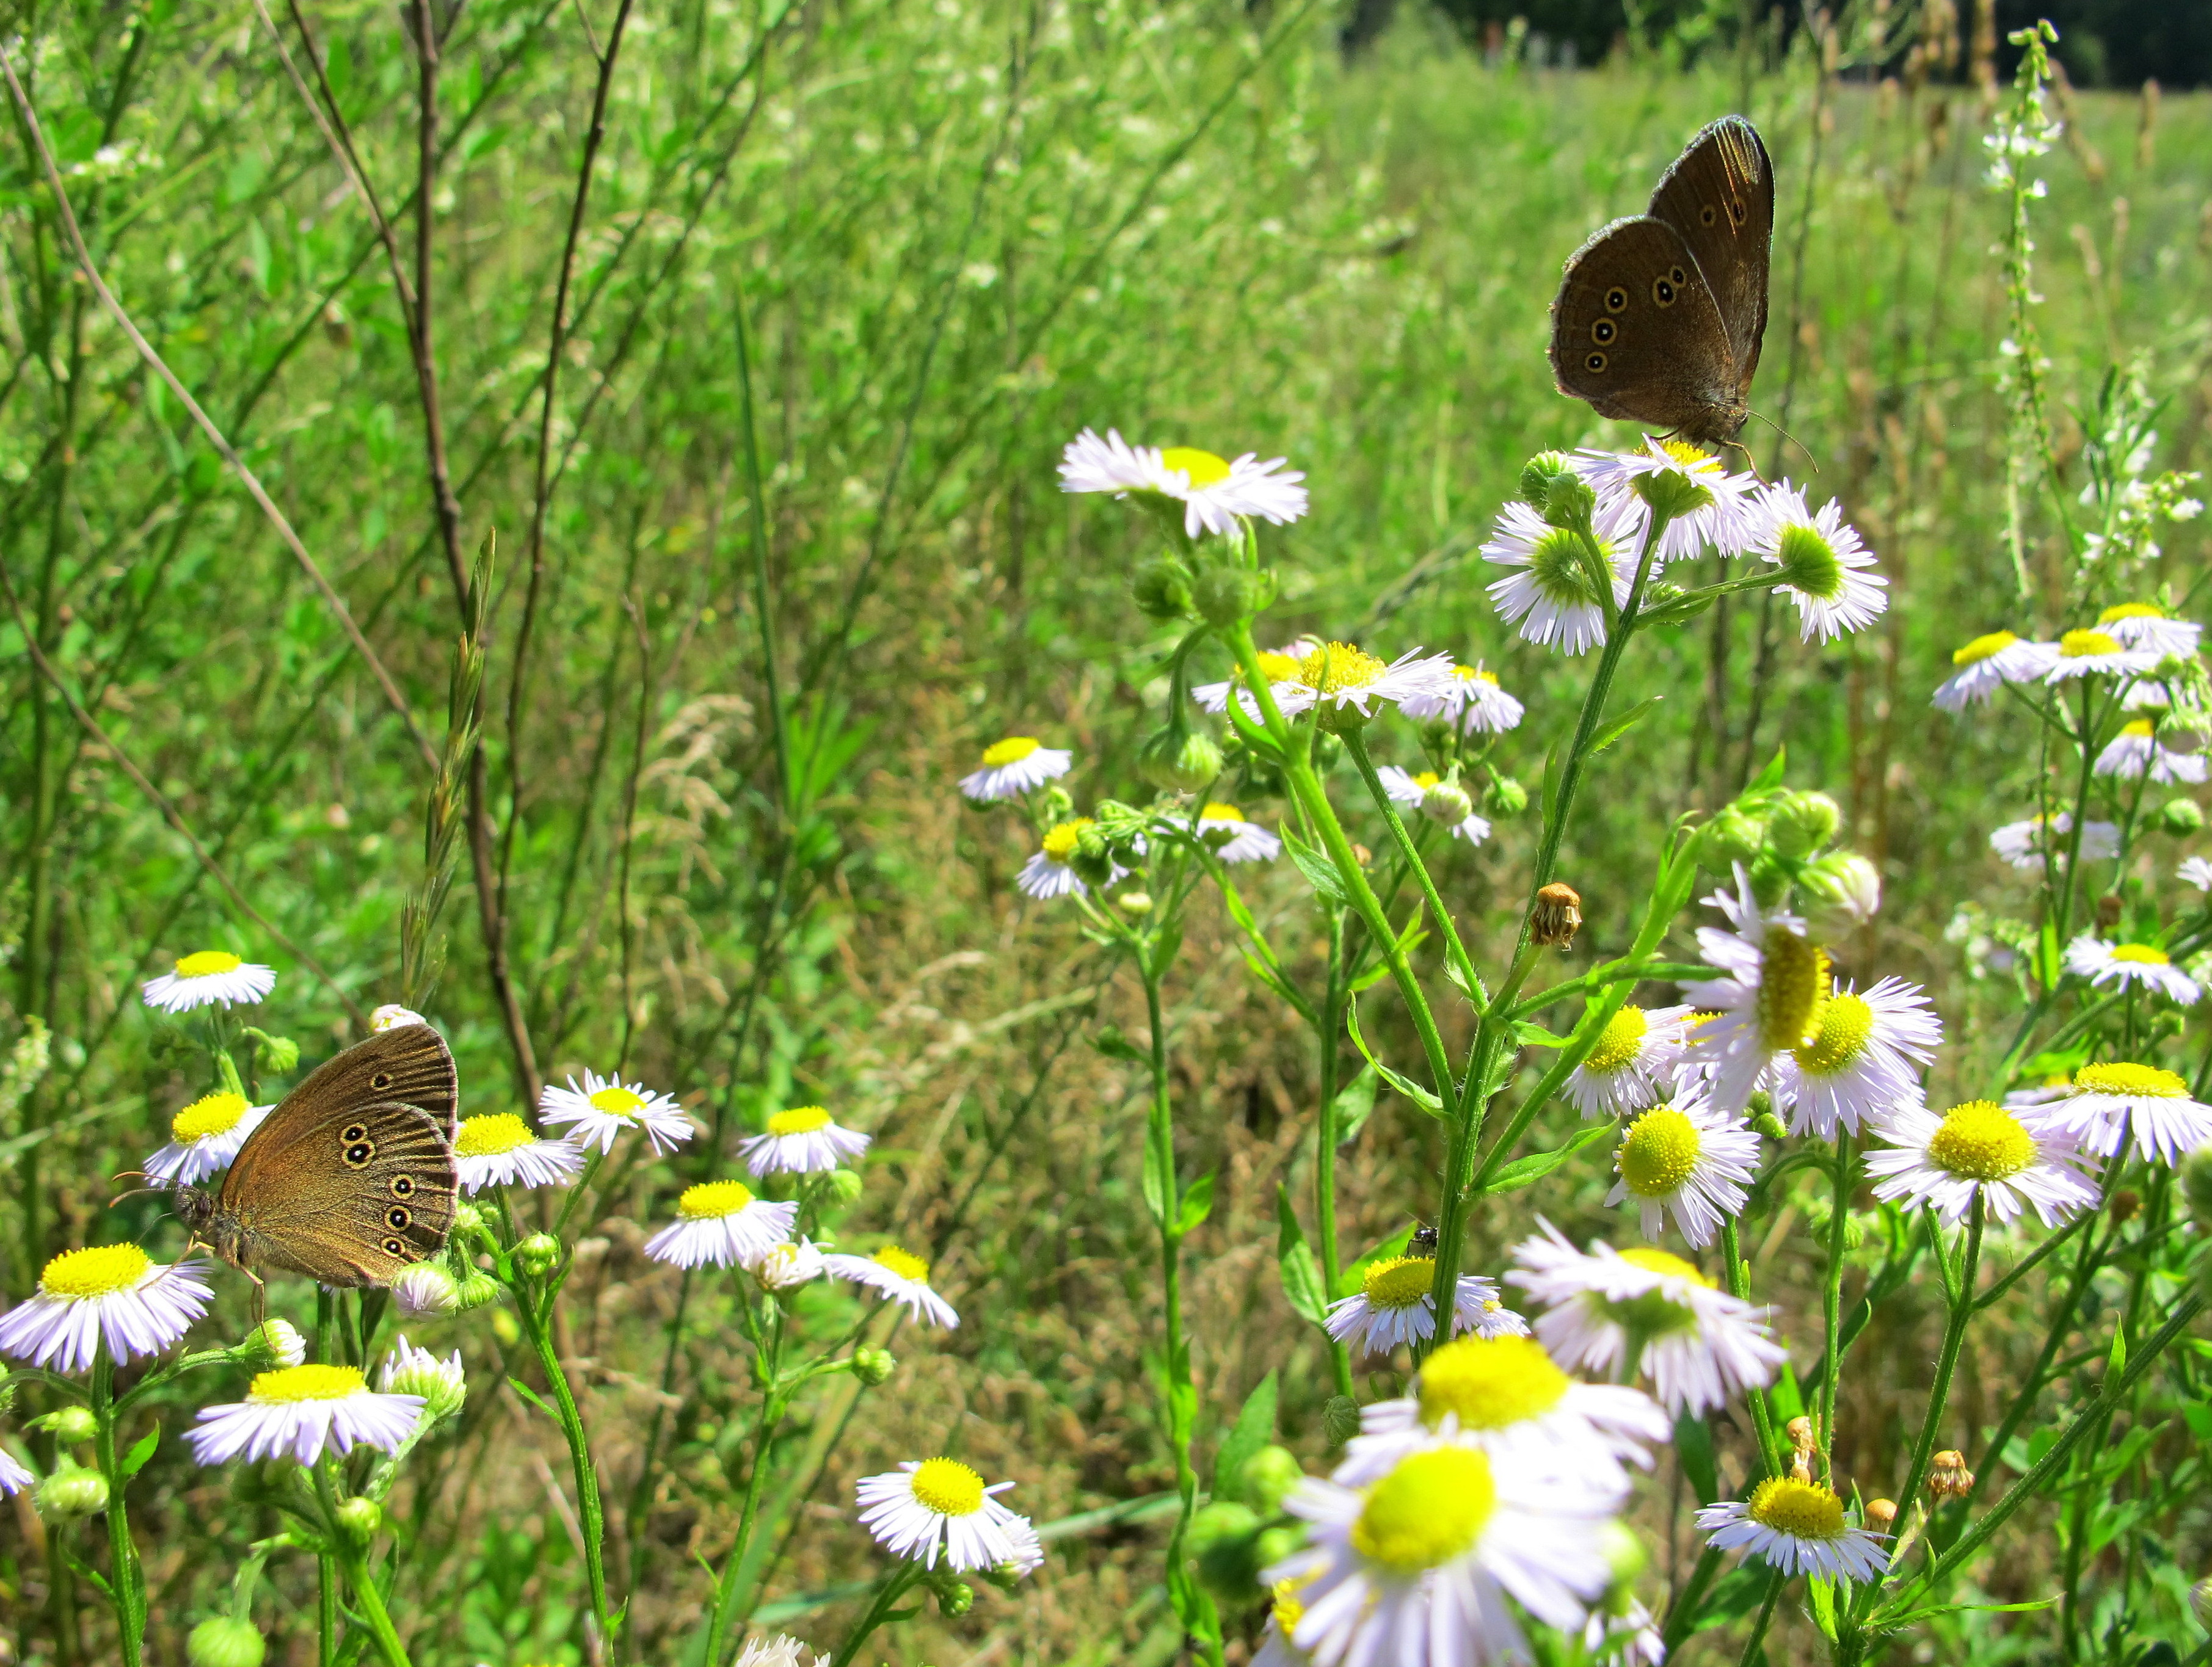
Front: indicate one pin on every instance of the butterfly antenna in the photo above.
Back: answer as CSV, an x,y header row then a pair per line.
x,y
124,1174
1785,434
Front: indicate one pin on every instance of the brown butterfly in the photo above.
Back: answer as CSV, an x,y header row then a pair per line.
x,y
1659,317
351,1179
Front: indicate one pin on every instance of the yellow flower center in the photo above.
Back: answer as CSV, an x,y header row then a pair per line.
x,y
1685,454
2141,1081
1488,1383
1278,667
1475,674
1339,665
1659,1154
2143,953
2142,729
212,1115
99,1270
488,1136
2081,644
1982,647
1203,468
903,1262
1803,1510
2130,610
1619,1043
1288,1610
307,1383
1399,1282
948,1488
208,963
710,1201
1983,1141
1426,780
1221,813
1013,750
616,1100
1060,844
800,1120
1430,1509
1846,1027
1793,985
1654,1313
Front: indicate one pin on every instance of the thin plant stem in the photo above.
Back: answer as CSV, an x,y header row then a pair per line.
x,y
1326,1140
1752,1644
1832,1301
126,1580
589,1509
893,1587
1947,1362
773,1403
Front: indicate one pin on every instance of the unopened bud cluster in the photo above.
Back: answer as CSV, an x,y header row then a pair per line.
x,y
1949,1477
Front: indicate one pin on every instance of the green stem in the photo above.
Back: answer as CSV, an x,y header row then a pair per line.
x,y
894,1587
1762,1418
1355,747
367,1598
1947,1362
1326,1139
126,1581
588,1508
771,1415
1831,1299
1751,1645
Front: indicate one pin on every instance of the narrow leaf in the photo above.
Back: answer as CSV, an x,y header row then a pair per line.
x,y
1197,1203
1537,1165
1294,1258
1404,1085
1320,873
1254,1429
1621,725
1355,1103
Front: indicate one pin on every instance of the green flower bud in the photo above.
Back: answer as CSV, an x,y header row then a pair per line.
x,y
1732,837
1268,1477
1055,805
1227,595
274,1343
1624,1553
1161,589
1220,1539
1181,761
1339,1419
71,1426
468,1219
2181,817
1842,892
442,1384
955,1597
1673,493
1134,902
72,1492
225,1641
1538,473
1771,1125
538,1254
1276,1544
1770,879
1803,823
278,1054
475,1290
843,1185
874,1367
1505,796
1569,501
2196,1183
1447,803
1092,859
358,1518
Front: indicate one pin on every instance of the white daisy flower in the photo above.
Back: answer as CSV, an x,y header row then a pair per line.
x,y
1987,664
1700,1345
1341,675
1213,491
114,1294
303,1410
208,975
606,1107
2136,749
1798,1527
933,1507
781,1651
1825,560
1769,1003
2094,653
1276,665
2123,965
1020,764
1635,1056
1864,1057
1977,1148
1630,1639
1550,595
1415,1570
441,1384
803,1141
1471,701
502,1150
1393,1307
1234,839
2021,844
2052,1087
1689,1159
1411,789
722,1222
897,1275
1506,1394
204,1137
2149,1106
788,1266
391,1016
1728,520
1049,873
2195,871
424,1289
2146,696
15,1476
2140,625
1284,1613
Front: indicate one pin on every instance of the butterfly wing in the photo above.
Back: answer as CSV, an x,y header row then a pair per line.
x,y
1719,195
1636,332
410,1064
348,1195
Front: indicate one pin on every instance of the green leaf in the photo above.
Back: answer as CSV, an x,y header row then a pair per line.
x,y
1735,1594
1621,725
1294,1258
1784,1398
532,1397
1320,873
1534,1035
1823,1594
1549,798
1965,1609
1537,1165
141,1450
1158,1181
1355,1103
1693,1449
1404,1085
1771,776
1254,1429
1114,1044
1197,1204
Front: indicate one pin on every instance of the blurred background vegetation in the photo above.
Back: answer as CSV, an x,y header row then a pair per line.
x,y
711,835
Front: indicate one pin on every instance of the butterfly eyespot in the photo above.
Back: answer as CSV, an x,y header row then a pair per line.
x,y
1616,299
397,1217
402,1186
1595,363
1603,331
358,1154
380,1081
1663,291
393,1247
354,1131
1709,215
1736,210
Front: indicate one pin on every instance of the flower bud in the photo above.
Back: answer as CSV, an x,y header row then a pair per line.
x,y
1626,1555
1557,915
2181,817
2185,731
1224,1519
468,1218
475,1290
1180,760
1092,859
280,1055
1268,1477
426,1289
391,1016
1842,891
1880,1513
70,1492
1505,796
955,1597
1538,473
1339,1419
1447,803
1771,1125
442,1384
843,1185
225,1641
1134,902
538,1254
788,1266
2200,1601
1734,836
71,1426
358,1518
2196,1183
1223,1539
1569,501
874,1367
1161,589
1226,594
1802,823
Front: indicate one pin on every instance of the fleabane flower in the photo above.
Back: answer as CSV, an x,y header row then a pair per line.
x,y
1276,665
1551,594
2124,965
1696,1344
2195,871
781,1651
1634,1058
788,1266
2123,1101
303,1411
14,1474
207,976
1471,701
1506,1394
1977,1148
1284,1610
204,1137
1770,1002
1234,839
606,1107
1630,1639
2099,653
722,1222
1824,564
897,1275
1987,664
1213,491
2135,750
2142,625
1338,676
934,1507
2024,844
1798,1527
1864,1057
1415,1569
1050,871
1393,1307
501,1150
1020,764
803,1141
1688,1160
1412,789
440,1383
114,1294
1715,508
392,1016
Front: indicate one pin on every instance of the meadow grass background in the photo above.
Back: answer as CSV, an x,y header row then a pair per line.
x,y
959,232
